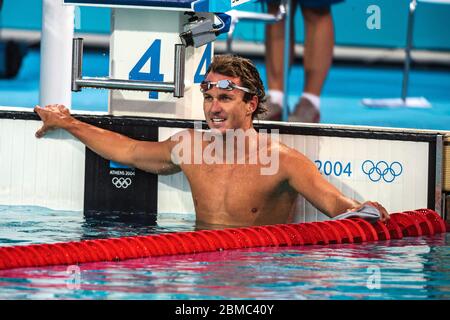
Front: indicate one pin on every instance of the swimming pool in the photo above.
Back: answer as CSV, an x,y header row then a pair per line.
x,y
410,268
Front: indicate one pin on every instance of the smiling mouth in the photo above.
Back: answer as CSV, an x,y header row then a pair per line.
x,y
217,120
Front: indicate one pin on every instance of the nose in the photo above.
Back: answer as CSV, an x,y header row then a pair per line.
x,y
215,106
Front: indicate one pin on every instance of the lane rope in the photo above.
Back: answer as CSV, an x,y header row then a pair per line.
x,y
421,222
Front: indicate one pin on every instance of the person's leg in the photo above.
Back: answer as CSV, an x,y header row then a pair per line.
x,y
319,44
274,44
317,59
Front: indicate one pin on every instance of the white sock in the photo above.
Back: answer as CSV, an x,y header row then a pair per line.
x,y
276,96
315,100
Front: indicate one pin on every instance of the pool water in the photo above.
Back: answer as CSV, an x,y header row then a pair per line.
x,y
410,268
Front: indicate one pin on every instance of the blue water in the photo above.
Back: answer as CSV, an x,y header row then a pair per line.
x,y
410,268
341,103
22,225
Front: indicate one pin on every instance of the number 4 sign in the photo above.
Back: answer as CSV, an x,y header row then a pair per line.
x,y
153,55
152,58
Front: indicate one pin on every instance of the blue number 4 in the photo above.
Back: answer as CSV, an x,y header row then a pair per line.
x,y
153,54
205,61
348,169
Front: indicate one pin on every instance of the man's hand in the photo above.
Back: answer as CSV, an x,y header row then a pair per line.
x,y
54,116
369,210
383,212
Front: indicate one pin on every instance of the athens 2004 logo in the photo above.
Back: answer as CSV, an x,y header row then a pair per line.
x,y
121,182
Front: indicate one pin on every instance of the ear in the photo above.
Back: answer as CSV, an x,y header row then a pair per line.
x,y
252,105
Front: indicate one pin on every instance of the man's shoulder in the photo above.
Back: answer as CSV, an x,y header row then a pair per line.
x,y
182,133
290,155
284,149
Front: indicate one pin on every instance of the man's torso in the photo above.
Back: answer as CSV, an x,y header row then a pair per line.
x,y
238,194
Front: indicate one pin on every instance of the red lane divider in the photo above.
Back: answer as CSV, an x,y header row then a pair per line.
x,y
409,226
394,229
370,232
357,232
382,231
308,236
280,235
434,218
346,235
321,236
295,235
422,221
331,232
268,236
353,230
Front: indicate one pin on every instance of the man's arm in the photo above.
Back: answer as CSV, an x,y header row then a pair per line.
x,y
154,157
305,178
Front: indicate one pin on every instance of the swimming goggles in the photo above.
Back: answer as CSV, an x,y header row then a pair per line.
x,y
222,84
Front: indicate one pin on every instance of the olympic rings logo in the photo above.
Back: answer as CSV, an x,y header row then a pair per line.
x,y
121,182
382,170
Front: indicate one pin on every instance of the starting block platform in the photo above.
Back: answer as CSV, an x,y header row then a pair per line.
x,y
142,49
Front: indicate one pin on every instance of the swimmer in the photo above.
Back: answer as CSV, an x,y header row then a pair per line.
x,y
224,193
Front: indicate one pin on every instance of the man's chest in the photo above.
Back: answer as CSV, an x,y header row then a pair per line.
x,y
232,182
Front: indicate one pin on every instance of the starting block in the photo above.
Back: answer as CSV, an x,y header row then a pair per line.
x,y
146,35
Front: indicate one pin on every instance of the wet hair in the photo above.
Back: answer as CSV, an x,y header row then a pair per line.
x,y
242,68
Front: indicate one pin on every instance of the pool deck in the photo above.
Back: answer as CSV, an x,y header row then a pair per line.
x,y
341,103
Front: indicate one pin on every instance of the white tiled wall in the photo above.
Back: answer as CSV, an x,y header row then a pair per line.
x,y
46,172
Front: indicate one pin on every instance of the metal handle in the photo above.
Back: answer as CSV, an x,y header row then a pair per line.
x,y
78,81
77,62
178,76
118,84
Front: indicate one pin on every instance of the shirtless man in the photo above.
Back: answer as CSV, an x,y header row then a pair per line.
x,y
230,194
